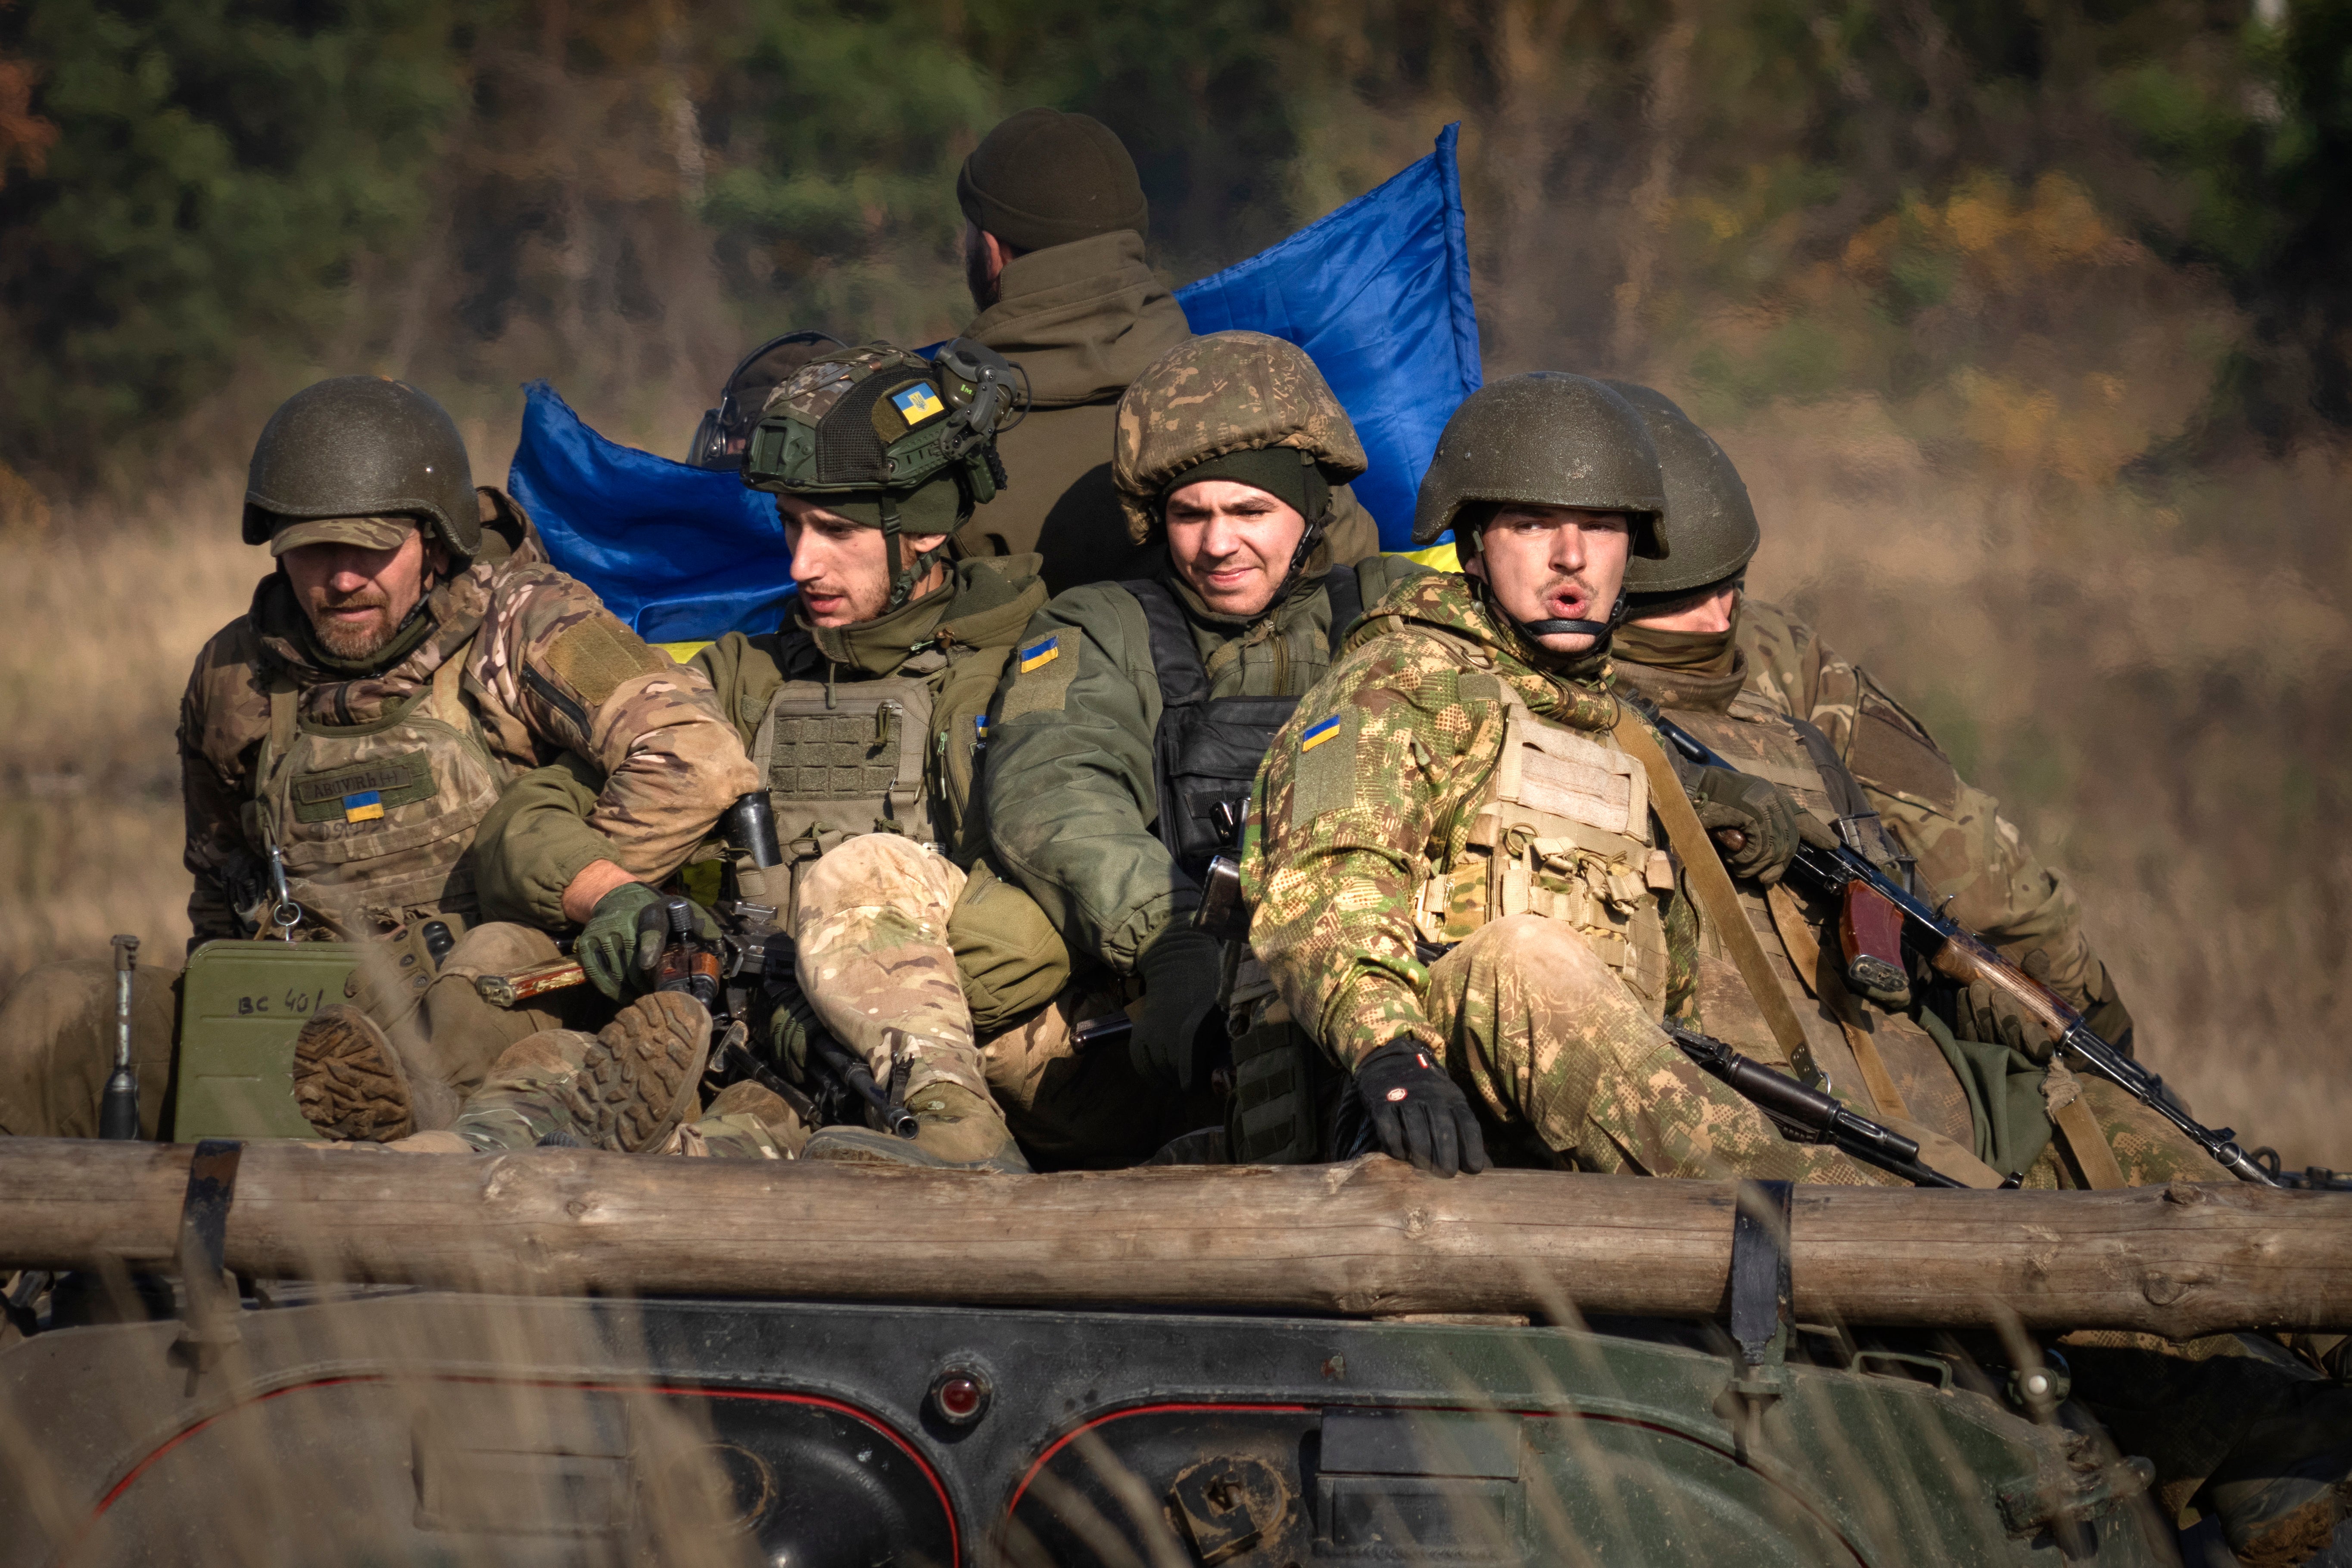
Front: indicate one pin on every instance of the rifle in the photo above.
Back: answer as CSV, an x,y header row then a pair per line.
x,y
1807,1114
1873,902
719,971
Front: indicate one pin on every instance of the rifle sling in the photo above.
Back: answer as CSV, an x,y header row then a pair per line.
x,y
1718,900
2080,1128
1937,1151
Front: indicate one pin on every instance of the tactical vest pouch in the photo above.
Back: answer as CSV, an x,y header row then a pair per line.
x,y
1564,834
376,820
843,759
1278,1075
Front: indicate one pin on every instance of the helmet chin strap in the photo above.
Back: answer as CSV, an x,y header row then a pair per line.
x,y
1557,628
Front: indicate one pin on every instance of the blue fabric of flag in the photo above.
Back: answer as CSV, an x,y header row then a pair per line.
x,y
1378,294
680,553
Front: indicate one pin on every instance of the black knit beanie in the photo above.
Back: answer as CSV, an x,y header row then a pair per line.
x,y
1047,178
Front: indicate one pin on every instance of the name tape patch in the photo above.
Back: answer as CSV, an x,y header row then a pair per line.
x,y
1042,653
917,402
1318,732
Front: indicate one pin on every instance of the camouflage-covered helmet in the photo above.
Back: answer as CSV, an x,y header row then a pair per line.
x,y
366,448
1547,438
883,437
725,431
1212,397
1708,509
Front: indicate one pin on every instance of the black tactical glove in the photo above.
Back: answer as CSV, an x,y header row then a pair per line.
x,y
620,959
1182,971
1990,1015
1417,1112
1755,823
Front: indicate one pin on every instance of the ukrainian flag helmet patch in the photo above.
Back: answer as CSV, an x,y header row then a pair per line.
x,y
917,402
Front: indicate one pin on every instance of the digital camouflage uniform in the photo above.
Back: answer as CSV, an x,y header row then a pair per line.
x,y
1362,855
2257,1435
1085,741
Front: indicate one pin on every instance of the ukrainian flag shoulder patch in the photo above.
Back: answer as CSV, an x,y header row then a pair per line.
x,y
1318,733
917,402
365,807
1039,654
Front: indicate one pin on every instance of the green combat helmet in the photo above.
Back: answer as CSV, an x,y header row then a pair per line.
x,y
1545,438
362,446
1708,508
884,437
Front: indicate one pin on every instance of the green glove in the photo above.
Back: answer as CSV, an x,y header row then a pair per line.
x,y
1756,822
791,1019
1990,1015
1184,970
620,958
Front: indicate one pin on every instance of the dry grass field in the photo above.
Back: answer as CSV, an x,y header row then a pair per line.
x,y
2160,702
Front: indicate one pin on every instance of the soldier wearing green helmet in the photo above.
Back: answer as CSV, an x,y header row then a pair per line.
x,y
1461,886
1693,638
411,653
864,716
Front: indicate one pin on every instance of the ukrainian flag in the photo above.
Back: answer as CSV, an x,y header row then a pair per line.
x,y
1318,732
917,402
1041,653
367,806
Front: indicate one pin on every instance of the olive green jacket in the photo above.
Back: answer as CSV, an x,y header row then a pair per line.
x,y
1082,321
1070,798
536,840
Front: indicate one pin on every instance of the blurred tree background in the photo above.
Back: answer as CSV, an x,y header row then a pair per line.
x,y
2030,323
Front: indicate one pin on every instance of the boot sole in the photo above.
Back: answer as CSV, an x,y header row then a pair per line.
x,y
347,1082
864,1146
632,1093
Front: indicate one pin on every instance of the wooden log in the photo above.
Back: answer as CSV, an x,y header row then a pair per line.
x,y
1370,1238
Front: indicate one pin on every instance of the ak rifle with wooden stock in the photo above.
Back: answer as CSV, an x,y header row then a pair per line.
x,y
1876,913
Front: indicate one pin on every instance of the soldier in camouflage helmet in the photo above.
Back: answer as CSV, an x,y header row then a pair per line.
x,y
1692,636
864,717
1460,885
412,653
1136,712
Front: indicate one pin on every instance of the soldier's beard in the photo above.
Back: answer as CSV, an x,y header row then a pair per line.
x,y
350,639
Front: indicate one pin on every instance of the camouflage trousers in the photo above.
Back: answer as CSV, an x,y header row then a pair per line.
x,y
869,921
521,1102
1568,1064
57,1046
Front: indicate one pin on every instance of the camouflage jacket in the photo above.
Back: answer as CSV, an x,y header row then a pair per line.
x,y
536,840
1344,829
544,669
1964,849
1072,800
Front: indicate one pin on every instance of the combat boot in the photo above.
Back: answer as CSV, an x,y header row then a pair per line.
x,y
349,1083
956,1130
643,1076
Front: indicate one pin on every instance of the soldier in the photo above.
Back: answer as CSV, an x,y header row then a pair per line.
x,y
1136,712
1691,638
1053,252
412,653
864,717
2264,1437
1458,877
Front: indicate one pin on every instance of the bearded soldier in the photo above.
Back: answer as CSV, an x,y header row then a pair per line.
x,y
1136,712
864,716
1693,637
340,741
